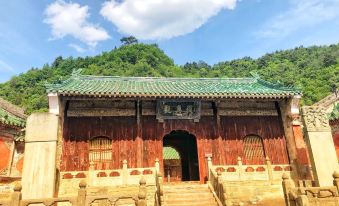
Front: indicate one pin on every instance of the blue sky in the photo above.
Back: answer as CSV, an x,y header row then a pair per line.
x,y
32,34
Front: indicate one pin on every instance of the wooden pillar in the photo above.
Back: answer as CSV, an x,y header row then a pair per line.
x,y
139,134
303,161
286,113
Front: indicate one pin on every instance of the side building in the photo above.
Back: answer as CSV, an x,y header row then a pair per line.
x,y
12,124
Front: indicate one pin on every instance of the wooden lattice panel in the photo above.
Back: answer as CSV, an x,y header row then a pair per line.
x,y
100,152
254,149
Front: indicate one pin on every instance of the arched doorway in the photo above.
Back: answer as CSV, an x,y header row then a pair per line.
x,y
185,144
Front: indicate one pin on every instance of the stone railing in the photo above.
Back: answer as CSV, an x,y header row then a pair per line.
x,y
217,183
159,196
310,196
117,177
238,172
81,199
222,176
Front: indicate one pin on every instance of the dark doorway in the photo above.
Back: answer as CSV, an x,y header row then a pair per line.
x,y
186,145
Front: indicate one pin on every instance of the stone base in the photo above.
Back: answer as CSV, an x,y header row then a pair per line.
x,y
254,193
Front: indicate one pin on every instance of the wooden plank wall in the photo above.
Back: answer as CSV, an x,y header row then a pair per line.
x,y
225,143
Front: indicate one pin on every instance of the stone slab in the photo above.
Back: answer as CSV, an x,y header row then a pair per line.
x,y
38,176
42,127
39,169
323,157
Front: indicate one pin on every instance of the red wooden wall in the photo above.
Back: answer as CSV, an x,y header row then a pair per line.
x,y
5,154
224,143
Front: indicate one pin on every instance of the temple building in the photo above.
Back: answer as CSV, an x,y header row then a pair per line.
x,y
106,120
176,141
12,124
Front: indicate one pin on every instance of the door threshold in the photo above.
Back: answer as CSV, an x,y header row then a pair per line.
x,y
182,182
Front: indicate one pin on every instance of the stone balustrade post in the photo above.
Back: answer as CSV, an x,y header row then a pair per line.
x,y
124,172
302,200
142,195
82,193
161,192
157,165
209,167
219,184
91,174
240,169
269,169
287,184
16,196
336,179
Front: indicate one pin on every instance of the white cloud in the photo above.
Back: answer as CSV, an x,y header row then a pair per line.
x,y
71,19
301,14
78,48
161,19
5,67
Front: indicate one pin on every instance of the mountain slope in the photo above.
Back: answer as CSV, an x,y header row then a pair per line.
x,y
313,69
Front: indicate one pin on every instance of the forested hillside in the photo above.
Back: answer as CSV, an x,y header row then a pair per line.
x,y
314,70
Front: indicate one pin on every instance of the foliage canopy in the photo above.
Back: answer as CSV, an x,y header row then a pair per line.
x,y
314,70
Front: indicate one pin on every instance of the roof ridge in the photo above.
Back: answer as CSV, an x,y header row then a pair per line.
x,y
11,119
118,86
77,73
12,109
277,86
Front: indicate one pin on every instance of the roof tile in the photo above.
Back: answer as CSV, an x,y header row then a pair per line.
x,y
171,87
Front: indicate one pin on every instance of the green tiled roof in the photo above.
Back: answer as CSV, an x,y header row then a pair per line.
x,y
160,87
10,119
169,153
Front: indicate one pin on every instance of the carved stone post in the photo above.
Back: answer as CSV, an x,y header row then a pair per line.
x,y
219,184
302,200
157,165
287,184
82,193
269,169
336,179
209,166
91,174
320,144
240,169
124,172
160,190
142,201
16,196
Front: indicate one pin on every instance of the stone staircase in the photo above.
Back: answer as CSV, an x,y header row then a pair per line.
x,y
188,194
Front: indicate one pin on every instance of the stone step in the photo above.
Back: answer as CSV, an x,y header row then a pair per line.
x,y
188,194
192,204
177,200
186,190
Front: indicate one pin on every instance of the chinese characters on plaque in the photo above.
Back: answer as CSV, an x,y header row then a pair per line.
x,y
174,109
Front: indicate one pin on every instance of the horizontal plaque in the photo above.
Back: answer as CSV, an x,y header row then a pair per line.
x,y
178,109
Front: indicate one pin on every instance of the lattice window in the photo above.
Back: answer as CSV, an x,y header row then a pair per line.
x,y
100,152
254,152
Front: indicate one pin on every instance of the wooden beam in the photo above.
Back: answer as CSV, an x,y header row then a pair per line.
x,y
100,112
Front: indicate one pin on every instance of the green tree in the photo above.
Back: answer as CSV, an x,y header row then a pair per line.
x,y
129,40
